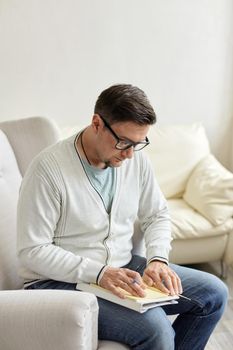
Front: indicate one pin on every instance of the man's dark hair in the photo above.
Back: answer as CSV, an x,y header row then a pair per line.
x,y
124,103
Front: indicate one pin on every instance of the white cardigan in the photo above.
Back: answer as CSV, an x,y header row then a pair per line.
x,y
64,231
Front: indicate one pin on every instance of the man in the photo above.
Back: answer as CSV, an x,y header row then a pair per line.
x,y
78,203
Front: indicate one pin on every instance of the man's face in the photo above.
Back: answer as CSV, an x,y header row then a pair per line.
x,y
126,131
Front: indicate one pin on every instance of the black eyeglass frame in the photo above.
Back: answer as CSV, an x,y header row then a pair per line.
x,y
128,143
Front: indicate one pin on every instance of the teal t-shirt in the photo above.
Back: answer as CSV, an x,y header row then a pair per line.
x,y
103,181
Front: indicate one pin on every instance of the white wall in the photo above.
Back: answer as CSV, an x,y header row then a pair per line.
x,y
57,55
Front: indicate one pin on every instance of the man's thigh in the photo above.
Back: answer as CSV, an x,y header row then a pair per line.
x,y
121,324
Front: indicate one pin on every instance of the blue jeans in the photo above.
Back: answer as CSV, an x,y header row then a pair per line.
x,y
152,330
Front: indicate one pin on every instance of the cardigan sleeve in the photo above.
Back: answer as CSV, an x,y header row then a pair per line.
x,y
153,215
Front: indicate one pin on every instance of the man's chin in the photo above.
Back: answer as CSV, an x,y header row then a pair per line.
x,y
118,164
114,164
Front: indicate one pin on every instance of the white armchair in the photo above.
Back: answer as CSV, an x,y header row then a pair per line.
x,y
35,319
187,173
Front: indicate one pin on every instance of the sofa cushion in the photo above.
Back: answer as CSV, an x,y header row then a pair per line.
x,y
188,223
174,151
210,190
10,180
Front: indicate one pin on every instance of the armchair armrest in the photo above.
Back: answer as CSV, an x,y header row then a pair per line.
x,y
48,319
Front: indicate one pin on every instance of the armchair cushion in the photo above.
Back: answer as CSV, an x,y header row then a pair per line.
x,y
210,190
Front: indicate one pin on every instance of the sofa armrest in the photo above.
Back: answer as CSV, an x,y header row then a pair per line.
x,y
48,319
28,137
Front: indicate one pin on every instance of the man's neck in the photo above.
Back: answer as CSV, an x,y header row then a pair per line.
x,y
87,150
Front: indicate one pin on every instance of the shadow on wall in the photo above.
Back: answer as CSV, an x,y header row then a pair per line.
x,y
230,154
223,150
227,144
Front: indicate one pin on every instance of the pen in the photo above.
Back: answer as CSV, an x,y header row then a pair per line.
x,y
182,296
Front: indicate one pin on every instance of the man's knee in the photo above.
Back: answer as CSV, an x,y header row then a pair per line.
x,y
218,292
212,296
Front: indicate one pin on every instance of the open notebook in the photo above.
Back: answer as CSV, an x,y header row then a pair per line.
x,y
153,298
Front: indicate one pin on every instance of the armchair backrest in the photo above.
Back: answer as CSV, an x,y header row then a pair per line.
x,y
28,137
20,141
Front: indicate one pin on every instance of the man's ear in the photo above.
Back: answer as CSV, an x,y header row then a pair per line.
x,y
96,123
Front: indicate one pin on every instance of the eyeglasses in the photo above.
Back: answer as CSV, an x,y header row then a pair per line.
x,y
126,144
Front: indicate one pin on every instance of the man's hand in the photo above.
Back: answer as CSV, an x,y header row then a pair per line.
x,y
128,280
159,275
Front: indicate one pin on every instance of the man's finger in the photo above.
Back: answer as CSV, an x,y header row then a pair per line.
x,y
167,282
148,280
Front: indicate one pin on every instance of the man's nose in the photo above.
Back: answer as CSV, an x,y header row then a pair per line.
x,y
128,153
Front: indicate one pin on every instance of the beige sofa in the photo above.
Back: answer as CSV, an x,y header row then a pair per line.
x,y
199,191
202,230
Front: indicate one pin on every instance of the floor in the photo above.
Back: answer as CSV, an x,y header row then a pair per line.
x,y
222,337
